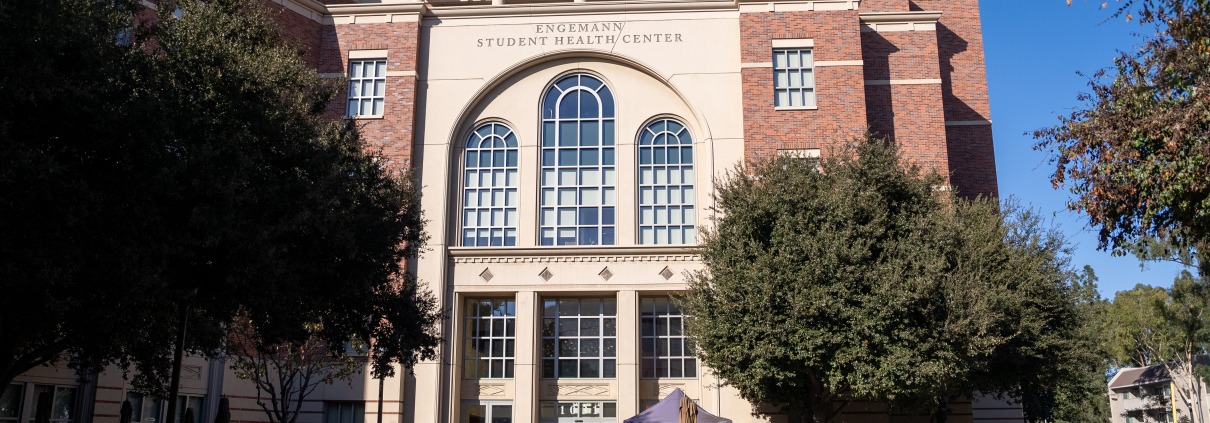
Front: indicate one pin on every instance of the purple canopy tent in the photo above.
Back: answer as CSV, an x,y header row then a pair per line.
x,y
668,410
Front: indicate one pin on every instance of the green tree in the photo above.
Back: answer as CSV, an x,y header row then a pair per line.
x,y
1085,399
1185,339
1135,155
1133,327
862,282
1153,326
179,172
285,374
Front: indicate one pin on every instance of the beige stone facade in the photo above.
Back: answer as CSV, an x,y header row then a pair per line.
x,y
572,289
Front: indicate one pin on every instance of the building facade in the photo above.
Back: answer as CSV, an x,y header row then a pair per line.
x,y
568,152
1145,395
1141,395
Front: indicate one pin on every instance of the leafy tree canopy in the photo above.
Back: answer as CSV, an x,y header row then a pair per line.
x,y
860,281
1136,155
154,164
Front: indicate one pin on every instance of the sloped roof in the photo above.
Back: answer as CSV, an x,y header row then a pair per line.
x,y
668,410
1134,376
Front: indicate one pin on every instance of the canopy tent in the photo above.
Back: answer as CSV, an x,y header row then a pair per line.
x,y
668,410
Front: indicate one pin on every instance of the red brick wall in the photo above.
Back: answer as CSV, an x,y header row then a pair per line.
x,y
911,115
964,87
392,135
884,6
298,30
972,160
839,90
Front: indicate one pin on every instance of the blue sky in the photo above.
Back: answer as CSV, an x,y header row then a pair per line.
x,y
1033,50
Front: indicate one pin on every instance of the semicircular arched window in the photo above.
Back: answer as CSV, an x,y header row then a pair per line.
x,y
579,174
666,192
489,187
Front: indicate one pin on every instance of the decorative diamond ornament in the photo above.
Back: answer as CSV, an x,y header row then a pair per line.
x,y
666,273
605,273
546,275
487,275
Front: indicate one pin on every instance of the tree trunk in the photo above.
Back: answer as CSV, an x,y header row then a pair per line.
x,y
381,383
174,386
942,411
1197,392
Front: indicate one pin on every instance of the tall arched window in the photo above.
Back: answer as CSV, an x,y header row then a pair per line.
x,y
578,165
666,194
489,188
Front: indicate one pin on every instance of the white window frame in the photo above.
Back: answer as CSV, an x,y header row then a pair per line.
x,y
794,74
30,400
578,200
497,331
153,408
489,189
490,409
366,87
564,332
666,191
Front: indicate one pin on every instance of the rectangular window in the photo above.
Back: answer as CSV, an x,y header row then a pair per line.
x,y
190,403
490,338
63,402
487,412
344,412
577,411
793,78
666,351
367,87
579,338
10,403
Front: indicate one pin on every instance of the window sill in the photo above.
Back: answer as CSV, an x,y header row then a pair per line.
x,y
379,117
784,108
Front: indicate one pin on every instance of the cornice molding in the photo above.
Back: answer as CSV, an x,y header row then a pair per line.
x,y
900,17
453,9
383,8
572,254
311,5
347,12
899,21
796,5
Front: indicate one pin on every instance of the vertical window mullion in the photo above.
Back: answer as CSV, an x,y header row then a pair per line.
x,y
796,66
655,214
481,332
364,99
578,228
481,143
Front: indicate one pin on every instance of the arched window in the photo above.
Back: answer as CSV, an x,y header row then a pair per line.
x,y
666,194
578,166
489,188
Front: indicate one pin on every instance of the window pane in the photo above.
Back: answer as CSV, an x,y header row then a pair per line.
x,y
575,144
663,187
10,402
502,414
665,350
490,336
